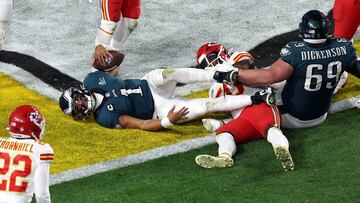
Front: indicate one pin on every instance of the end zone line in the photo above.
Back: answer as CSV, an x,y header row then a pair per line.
x,y
131,159
159,152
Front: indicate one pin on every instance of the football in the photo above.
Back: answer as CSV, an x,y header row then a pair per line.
x,y
110,63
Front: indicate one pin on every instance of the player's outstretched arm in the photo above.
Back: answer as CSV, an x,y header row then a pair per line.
x,y
172,118
278,71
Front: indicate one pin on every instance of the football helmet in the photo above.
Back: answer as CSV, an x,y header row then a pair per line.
x,y
210,54
26,122
77,102
314,27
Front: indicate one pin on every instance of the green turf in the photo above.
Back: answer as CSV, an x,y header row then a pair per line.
x,y
327,169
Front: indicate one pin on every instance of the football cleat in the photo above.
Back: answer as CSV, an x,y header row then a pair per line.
x,y
212,124
266,95
284,156
226,77
357,104
208,161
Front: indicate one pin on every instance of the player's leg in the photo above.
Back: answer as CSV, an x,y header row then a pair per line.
x,y
346,18
130,17
227,149
342,81
281,147
110,15
266,120
235,132
5,14
164,81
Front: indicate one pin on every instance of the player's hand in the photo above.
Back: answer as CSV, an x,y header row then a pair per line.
x,y
101,54
175,116
212,124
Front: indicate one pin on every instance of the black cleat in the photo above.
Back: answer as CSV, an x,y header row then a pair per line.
x,y
226,77
266,95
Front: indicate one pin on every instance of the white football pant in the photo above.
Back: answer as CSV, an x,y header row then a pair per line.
x,y
163,82
115,34
288,121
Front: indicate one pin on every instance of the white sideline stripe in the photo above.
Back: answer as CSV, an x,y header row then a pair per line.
x,y
160,152
131,159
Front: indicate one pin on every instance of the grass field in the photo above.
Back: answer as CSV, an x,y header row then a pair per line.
x,y
327,169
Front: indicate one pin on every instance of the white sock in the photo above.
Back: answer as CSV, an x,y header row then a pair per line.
x,y
187,75
5,15
228,103
3,26
105,32
276,137
227,145
125,27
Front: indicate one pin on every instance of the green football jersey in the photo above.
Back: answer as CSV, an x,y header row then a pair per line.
x,y
121,97
317,69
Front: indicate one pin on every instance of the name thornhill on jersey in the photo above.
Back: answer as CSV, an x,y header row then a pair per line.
x,y
323,54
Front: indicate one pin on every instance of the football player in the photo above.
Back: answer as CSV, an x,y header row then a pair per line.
x,y
258,121
346,21
311,68
5,14
346,18
149,103
118,20
24,159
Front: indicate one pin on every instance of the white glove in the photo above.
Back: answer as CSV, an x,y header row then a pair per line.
x,y
212,124
357,104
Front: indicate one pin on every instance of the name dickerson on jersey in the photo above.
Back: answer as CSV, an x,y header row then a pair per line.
x,y
333,52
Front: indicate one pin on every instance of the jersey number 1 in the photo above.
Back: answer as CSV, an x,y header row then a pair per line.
x,y
313,81
4,169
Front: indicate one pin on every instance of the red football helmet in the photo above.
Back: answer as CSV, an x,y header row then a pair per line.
x,y
208,53
26,122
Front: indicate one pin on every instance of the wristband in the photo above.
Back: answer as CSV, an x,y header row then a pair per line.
x,y
165,122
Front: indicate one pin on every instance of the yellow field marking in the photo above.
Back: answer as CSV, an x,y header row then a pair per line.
x,y
79,144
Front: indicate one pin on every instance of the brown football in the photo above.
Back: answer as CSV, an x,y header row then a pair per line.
x,y
111,63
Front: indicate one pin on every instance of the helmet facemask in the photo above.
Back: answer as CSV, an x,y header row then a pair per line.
x,y
83,104
79,103
211,54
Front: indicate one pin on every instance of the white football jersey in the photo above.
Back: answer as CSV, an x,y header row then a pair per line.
x,y
19,161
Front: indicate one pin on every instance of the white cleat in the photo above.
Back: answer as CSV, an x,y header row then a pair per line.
x,y
284,156
208,161
212,124
357,104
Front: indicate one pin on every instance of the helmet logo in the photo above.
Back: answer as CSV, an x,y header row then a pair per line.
x,y
285,52
35,117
